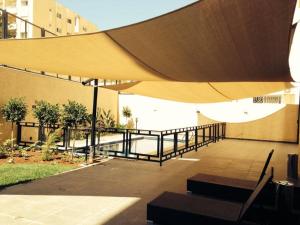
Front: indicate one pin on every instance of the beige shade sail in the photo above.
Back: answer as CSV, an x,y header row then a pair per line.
x,y
191,92
208,41
216,40
201,92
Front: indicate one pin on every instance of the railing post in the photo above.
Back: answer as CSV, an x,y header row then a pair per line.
x,y
26,35
161,149
4,24
218,132
196,139
43,32
203,134
175,142
127,143
19,133
215,133
187,139
209,129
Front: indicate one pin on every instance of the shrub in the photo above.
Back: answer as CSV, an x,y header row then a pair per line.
x,y
3,152
130,124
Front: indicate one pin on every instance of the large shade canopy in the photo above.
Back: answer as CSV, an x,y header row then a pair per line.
x,y
208,41
191,92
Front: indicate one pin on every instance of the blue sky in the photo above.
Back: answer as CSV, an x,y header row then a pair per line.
x,y
107,14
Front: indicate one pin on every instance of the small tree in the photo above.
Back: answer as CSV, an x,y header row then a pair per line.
x,y
53,115
73,114
40,112
126,111
46,114
14,111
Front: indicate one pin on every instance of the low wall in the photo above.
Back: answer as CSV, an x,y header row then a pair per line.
x,y
279,126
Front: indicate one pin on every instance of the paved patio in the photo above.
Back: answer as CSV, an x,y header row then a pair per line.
x,y
117,191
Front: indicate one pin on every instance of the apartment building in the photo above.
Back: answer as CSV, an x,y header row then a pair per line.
x,y
48,14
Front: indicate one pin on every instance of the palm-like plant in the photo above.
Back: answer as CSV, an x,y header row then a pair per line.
x,y
107,119
47,147
126,111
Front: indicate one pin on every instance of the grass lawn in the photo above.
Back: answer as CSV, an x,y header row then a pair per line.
x,y
16,173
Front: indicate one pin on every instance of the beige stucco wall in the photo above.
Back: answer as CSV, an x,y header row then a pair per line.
x,y
45,15
37,87
279,126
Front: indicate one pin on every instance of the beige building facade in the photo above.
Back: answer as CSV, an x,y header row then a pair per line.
x,y
48,14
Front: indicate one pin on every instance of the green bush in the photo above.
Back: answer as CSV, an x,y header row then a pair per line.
x,y
3,152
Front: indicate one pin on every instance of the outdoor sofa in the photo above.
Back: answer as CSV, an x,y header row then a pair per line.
x,y
180,209
224,187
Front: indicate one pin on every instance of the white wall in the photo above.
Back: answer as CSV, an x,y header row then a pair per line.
x,y
156,114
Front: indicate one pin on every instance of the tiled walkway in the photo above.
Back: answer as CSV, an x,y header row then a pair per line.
x,y
117,192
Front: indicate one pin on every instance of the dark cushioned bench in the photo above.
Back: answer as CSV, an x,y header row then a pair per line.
x,y
179,209
223,187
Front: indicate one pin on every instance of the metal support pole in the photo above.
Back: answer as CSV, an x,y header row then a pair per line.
x,y
94,120
4,24
298,118
86,146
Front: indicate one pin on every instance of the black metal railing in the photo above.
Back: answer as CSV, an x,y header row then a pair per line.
x,y
10,23
147,145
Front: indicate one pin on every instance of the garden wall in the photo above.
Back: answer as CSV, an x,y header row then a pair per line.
x,y
37,87
279,126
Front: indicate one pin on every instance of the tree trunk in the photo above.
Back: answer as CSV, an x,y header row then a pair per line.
x,y
91,156
12,136
73,146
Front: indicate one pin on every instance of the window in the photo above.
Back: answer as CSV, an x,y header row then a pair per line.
x,y
58,15
275,99
69,21
58,30
76,24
